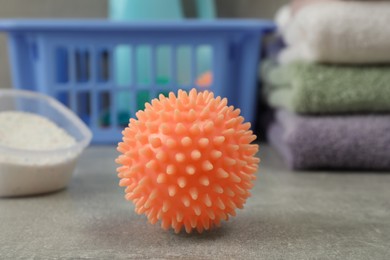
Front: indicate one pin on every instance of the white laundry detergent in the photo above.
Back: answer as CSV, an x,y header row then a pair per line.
x,y
31,160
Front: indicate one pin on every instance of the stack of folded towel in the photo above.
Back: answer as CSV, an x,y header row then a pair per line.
x,y
331,85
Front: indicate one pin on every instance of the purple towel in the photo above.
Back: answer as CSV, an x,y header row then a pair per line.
x,y
338,142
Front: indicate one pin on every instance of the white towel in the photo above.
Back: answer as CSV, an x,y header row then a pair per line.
x,y
339,32
283,18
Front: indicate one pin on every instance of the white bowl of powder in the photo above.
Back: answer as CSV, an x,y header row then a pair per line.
x,y
40,142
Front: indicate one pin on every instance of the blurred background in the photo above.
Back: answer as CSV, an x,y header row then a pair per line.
x,y
99,9
324,70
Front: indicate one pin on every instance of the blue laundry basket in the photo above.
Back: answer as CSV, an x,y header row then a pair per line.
x,y
74,61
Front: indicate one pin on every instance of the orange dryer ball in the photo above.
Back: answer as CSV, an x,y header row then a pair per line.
x,y
187,161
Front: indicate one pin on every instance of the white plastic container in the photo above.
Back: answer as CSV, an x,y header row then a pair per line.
x,y
26,172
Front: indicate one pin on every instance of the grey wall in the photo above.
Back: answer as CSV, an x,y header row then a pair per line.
x,y
98,9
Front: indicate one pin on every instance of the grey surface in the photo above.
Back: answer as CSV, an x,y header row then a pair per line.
x,y
301,215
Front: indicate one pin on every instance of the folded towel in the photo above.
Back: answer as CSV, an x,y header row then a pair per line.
x,y
297,5
339,32
338,142
283,18
317,89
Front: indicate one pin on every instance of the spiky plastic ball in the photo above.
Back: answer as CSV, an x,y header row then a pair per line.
x,y
187,161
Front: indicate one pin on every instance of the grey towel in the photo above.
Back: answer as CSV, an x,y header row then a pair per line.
x,y
332,142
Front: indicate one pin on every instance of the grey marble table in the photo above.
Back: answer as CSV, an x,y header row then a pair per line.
x,y
291,215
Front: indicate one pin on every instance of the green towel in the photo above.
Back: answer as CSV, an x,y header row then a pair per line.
x,y
309,88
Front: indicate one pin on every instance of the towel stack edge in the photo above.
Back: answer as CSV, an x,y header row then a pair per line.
x,y
330,87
